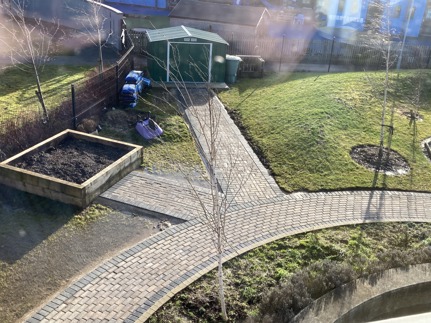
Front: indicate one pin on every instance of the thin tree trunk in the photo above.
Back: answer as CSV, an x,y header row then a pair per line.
x,y
220,244
40,95
36,74
221,285
385,99
216,206
100,52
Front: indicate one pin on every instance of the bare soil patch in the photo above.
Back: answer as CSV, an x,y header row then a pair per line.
x,y
389,161
73,160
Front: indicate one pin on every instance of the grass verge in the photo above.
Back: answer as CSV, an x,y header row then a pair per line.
x,y
250,277
44,244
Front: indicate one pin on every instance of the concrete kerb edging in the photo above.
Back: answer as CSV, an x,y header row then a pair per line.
x,y
117,205
196,139
347,299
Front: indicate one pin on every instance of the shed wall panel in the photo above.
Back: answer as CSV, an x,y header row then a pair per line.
x,y
158,59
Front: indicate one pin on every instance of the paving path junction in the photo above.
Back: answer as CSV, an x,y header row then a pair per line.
x,y
135,283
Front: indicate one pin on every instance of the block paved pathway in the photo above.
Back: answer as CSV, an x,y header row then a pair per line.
x,y
135,283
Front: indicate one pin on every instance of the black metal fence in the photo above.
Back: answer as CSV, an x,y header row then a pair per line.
x,y
84,99
358,54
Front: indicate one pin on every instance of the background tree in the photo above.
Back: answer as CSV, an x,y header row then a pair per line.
x,y
89,15
28,40
380,37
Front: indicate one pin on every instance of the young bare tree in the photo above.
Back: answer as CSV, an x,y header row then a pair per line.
x,y
28,41
381,38
197,103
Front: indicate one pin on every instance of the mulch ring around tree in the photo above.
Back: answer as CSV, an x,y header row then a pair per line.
x,y
72,160
390,162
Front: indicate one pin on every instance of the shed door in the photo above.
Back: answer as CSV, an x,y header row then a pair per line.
x,y
189,62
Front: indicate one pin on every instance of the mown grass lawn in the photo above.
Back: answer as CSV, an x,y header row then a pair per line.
x,y
175,151
306,124
17,87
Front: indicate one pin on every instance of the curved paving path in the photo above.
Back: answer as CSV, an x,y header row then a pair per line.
x,y
135,283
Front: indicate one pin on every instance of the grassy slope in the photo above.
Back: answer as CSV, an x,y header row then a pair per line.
x,y
306,125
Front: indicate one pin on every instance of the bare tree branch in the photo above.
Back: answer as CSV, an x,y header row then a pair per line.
x,y
198,107
90,16
28,40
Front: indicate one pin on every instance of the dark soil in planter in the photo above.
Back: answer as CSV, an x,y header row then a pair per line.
x,y
391,162
72,160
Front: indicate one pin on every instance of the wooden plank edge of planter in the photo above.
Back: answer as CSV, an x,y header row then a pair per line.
x,y
42,185
99,139
68,192
103,180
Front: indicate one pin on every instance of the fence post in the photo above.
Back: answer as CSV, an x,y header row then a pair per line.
x,y
330,56
73,106
117,84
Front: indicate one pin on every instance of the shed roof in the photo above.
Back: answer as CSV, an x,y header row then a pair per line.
x,y
183,32
217,12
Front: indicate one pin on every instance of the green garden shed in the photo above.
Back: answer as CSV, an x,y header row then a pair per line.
x,y
186,54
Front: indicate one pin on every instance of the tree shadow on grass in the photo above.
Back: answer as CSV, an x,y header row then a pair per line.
x,y
377,198
26,220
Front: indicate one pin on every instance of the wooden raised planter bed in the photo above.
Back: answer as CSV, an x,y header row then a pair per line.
x,y
68,192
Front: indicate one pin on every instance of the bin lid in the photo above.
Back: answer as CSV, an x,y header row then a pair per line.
x,y
140,30
233,58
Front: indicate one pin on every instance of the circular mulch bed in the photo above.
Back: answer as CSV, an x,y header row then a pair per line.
x,y
390,163
413,115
